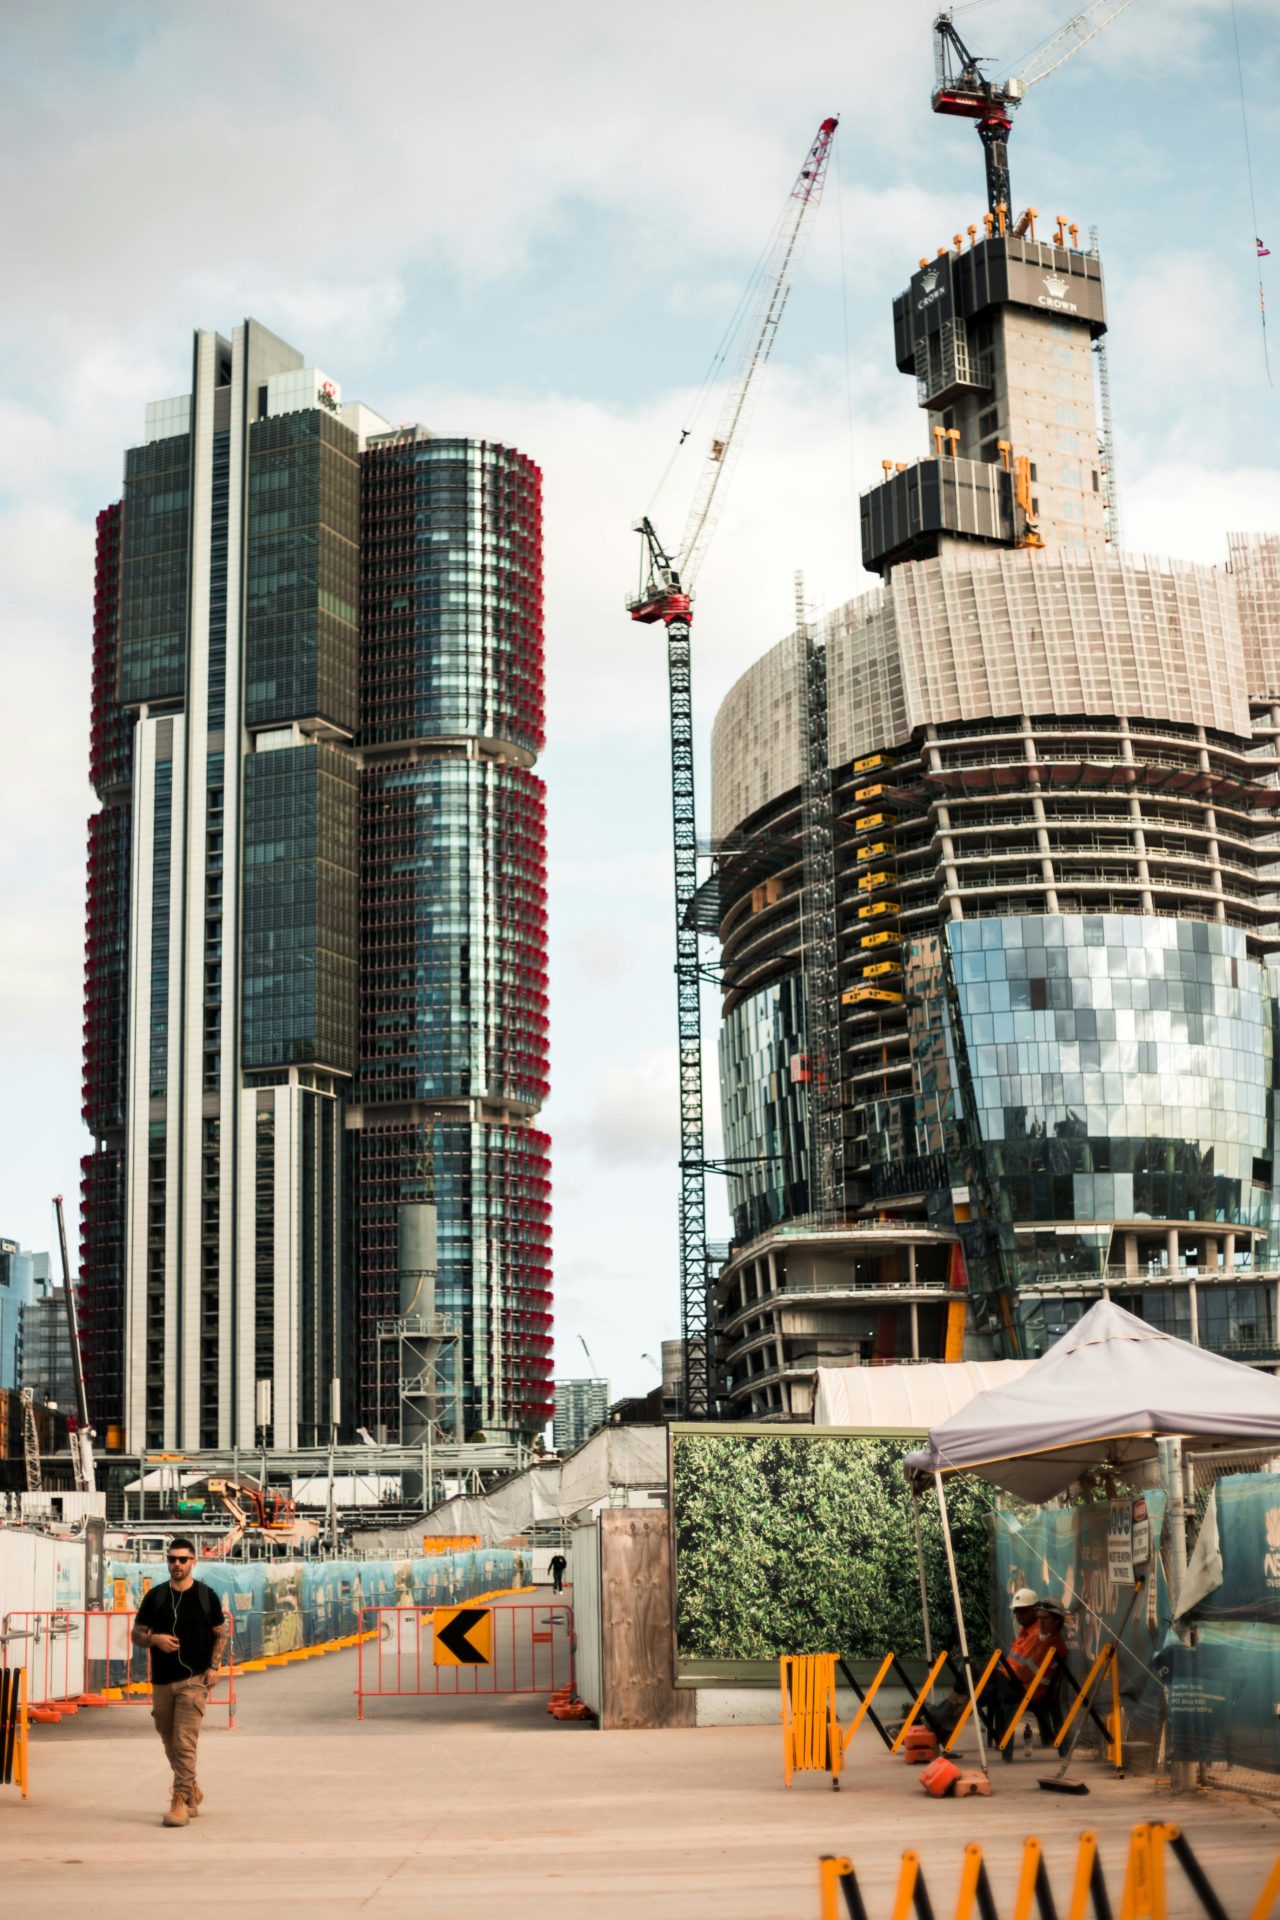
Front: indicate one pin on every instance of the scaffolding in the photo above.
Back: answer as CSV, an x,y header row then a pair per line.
x,y
1106,434
819,940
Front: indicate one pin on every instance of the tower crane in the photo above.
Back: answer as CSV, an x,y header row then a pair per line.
x,y
666,595
80,1432
962,88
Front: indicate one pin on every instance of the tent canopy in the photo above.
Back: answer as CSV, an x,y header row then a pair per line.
x,y
900,1399
1104,1394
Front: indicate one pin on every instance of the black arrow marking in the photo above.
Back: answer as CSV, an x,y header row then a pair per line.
x,y
454,1637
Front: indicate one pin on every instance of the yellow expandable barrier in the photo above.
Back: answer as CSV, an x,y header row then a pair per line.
x,y
811,1740
1145,1895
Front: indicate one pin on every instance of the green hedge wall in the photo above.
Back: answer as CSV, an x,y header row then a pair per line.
x,y
791,1543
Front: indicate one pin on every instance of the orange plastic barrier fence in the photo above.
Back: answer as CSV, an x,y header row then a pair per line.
x,y
77,1657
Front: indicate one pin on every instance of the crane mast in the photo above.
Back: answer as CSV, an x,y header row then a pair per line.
x,y
81,1436
666,595
819,935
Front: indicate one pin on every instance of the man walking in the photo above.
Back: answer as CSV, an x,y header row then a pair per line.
x,y
183,1627
557,1567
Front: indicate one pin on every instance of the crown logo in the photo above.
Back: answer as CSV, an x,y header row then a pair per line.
x,y
929,279
1273,1526
1057,286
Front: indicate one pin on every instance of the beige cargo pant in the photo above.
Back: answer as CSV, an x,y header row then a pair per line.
x,y
177,1707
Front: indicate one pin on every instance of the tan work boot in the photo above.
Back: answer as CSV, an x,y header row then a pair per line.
x,y
194,1797
178,1814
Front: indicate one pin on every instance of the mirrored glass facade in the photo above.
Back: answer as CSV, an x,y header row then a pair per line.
x,y
453,1036
764,1097
1121,1067
315,960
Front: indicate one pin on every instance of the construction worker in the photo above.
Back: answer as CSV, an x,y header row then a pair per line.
x,y
1003,1685
183,1628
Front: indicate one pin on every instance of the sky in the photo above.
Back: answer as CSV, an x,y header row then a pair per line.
x,y
531,224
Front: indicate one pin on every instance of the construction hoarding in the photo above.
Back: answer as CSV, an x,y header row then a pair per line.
x,y
797,1540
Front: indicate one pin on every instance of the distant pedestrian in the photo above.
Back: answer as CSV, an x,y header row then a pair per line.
x,y
559,1567
183,1627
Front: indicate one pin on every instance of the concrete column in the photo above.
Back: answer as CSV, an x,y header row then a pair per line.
x,y
1195,1312
1135,815
911,1262
1038,815
915,1331
955,908
1131,1254
1229,1251
1171,1243
1211,822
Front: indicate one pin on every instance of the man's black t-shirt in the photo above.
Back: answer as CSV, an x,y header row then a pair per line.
x,y
192,1616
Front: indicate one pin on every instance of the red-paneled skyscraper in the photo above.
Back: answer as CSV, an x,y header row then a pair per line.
x,y
315,985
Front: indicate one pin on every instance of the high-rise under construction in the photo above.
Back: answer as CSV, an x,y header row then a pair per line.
x,y
1047,1072
316,942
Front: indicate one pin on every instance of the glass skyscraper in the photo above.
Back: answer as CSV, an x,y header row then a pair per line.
x,y
315,953
1056,785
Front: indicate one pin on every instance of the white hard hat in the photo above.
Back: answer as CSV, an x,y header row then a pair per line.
x,y
1025,1598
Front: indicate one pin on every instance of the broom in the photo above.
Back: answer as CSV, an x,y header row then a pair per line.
x,y
1058,1782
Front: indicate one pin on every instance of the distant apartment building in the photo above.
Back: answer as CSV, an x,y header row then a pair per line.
x,y
316,942
48,1369
581,1407
22,1277
1046,1046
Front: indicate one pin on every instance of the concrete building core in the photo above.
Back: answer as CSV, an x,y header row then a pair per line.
x,y
1055,789
999,339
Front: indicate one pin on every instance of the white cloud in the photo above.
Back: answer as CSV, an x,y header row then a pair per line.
x,y
531,224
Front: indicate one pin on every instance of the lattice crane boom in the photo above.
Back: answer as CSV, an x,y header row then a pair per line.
x,y
1068,40
774,286
666,595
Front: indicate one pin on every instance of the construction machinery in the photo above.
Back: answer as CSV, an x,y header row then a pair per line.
x,y
30,1441
962,88
666,596
81,1434
259,1512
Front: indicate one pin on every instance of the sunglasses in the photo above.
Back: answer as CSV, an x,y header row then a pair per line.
x,y
177,1559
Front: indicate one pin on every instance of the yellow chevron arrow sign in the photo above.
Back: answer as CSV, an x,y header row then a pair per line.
x,y
462,1636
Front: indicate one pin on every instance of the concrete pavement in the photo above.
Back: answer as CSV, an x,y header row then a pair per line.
x,y
458,1809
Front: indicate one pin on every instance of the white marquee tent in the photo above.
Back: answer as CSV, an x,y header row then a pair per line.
x,y
1105,1395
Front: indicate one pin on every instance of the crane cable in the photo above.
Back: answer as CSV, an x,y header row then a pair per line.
x,y
745,302
848,360
1253,204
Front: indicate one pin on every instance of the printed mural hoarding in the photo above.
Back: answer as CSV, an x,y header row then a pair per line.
x,y
804,1542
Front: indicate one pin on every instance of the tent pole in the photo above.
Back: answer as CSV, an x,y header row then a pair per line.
x,y
924,1587
964,1638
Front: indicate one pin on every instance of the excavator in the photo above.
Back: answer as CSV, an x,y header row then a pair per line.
x,y
256,1513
